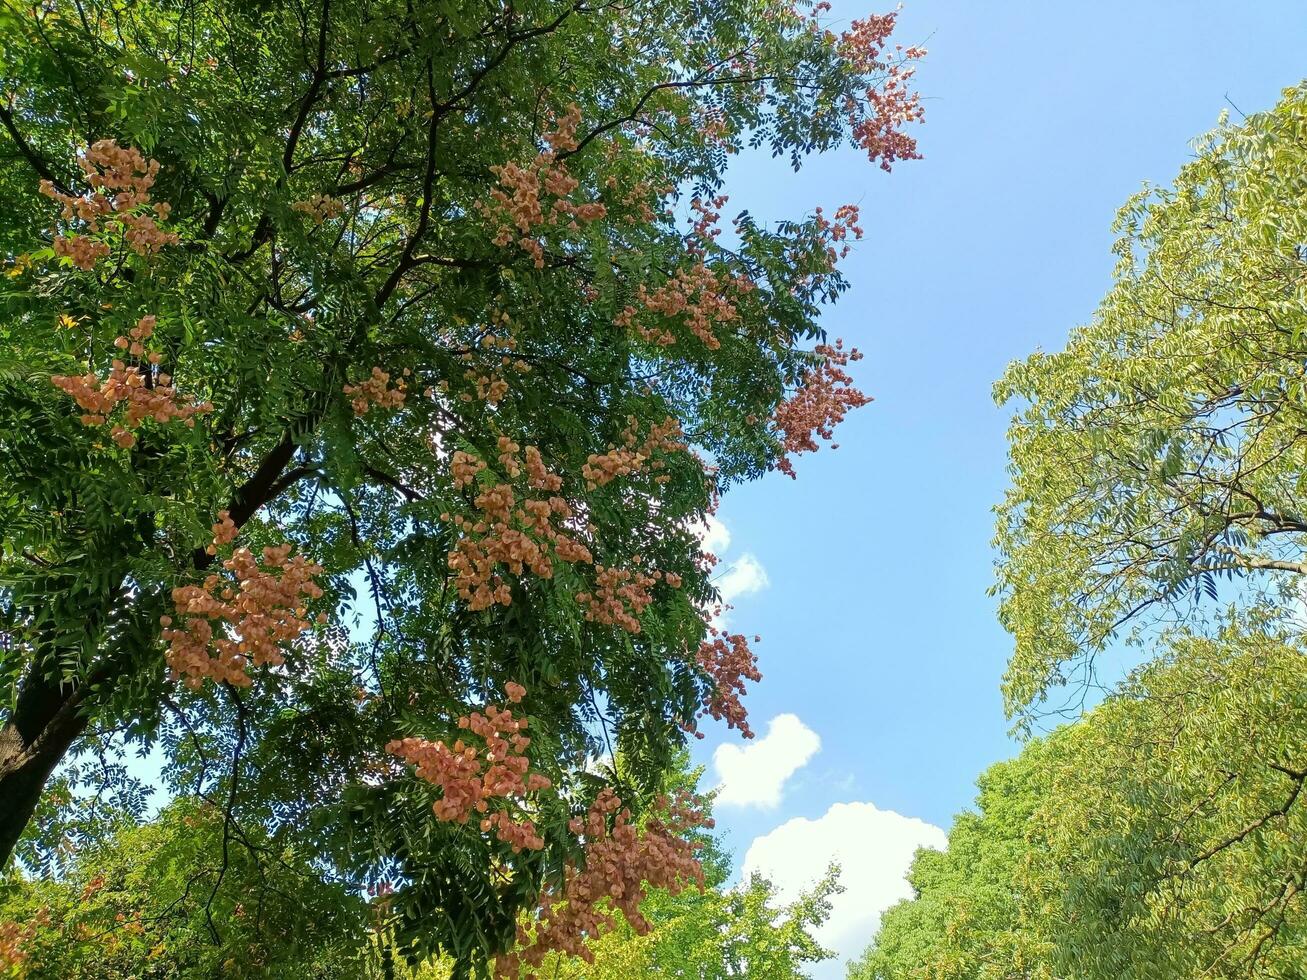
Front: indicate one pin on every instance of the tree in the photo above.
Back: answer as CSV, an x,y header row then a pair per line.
x,y
1160,837
968,917
716,934
368,367
161,900
711,933
1163,450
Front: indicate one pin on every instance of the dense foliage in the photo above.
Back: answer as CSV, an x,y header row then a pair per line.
x,y
370,368
1162,451
160,899
163,900
1163,835
1160,837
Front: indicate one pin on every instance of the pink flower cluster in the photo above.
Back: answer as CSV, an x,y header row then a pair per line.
x,y
519,208
633,455
147,392
506,533
14,940
376,391
838,229
727,659
890,104
619,596
471,776
244,617
120,179
622,862
824,397
696,296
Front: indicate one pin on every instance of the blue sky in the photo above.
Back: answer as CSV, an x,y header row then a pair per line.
x,y
878,634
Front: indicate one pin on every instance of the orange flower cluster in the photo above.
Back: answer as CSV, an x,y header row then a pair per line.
x,y
514,531
224,532
705,226
14,939
489,388
319,208
518,208
257,608
633,455
517,536
376,390
470,778
697,294
622,863
464,467
728,660
620,596
120,179
891,103
147,392
824,397
714,128
538,475
844,224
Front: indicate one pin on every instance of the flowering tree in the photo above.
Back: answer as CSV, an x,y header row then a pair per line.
x,y
366,372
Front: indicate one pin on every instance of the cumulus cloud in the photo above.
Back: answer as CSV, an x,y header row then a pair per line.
x,y
745,576
755,774
713,534
873,848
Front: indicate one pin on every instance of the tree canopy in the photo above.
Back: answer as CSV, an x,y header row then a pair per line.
x,y
1156,464
1161,451
1159,837
369,368
157,899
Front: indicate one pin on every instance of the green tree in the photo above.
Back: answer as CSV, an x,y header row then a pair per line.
x,y
967,919
715,934
1163,450
166,899
162,899
414,319
1163,835
1160,837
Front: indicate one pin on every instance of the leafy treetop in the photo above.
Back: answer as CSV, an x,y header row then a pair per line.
x,y
370,368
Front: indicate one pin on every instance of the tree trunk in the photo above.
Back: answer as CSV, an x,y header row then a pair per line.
x,y
43,726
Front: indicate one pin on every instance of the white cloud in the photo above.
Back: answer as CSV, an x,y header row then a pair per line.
x,y
745,576
713,534
755,775
874,849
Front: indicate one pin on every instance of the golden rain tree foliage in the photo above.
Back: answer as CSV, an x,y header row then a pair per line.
x,y
1156,460
1165,448
137,902
1160,837
366,371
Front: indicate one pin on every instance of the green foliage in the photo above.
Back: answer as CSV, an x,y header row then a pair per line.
x,y
714,935
968,921
184,896
1156,462
1160,837
1162,452
402,118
